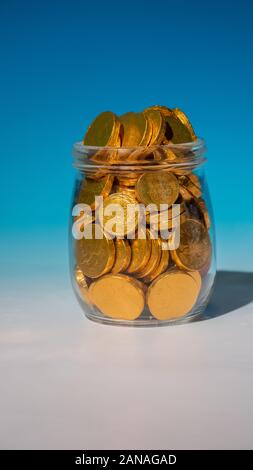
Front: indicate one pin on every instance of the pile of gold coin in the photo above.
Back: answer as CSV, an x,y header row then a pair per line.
x,y
121,275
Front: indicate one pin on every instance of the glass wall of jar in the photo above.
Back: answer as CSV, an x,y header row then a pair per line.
x,y
142,243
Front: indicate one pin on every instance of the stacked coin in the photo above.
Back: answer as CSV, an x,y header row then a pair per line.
x,y
126,271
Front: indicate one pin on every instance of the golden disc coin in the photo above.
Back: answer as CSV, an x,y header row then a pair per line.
x,y
154,259
157,122
193,210
95,256
141,251
122,256
196,209
162,266
186,195
185,121
166,112
163,109
194,250
159,221
103,131
160,187
197,278
119,214
187,183
82,284
163,219
118,296
136,130
90,188
194,179
179,129
172,295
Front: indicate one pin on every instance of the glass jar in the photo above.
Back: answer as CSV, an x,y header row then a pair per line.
x,y
142,244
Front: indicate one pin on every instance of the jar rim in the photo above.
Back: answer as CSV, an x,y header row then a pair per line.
x,y
191,156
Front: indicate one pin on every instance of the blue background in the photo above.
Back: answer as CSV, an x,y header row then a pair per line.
x,y
63,62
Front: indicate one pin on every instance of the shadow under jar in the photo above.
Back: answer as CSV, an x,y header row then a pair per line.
x,y
142,245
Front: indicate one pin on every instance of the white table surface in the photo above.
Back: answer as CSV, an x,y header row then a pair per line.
x,y
67,382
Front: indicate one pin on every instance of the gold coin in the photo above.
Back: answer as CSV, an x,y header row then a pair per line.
x,y
160,221
159,187
186,195
186,182
122,257
141,250
185,121
172,295
136,130
156,119
116,217
182,207
162,218
169,233
91,188
166,112
194,179
179,129
163,109
198,211
154,259
103,131
82,284
194,250
95,256
118,296
197,278
163,265
117,143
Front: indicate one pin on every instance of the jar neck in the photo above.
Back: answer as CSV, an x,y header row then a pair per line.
x,y
188,156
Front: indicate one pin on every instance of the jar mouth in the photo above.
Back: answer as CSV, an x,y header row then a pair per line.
x,y
185,155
